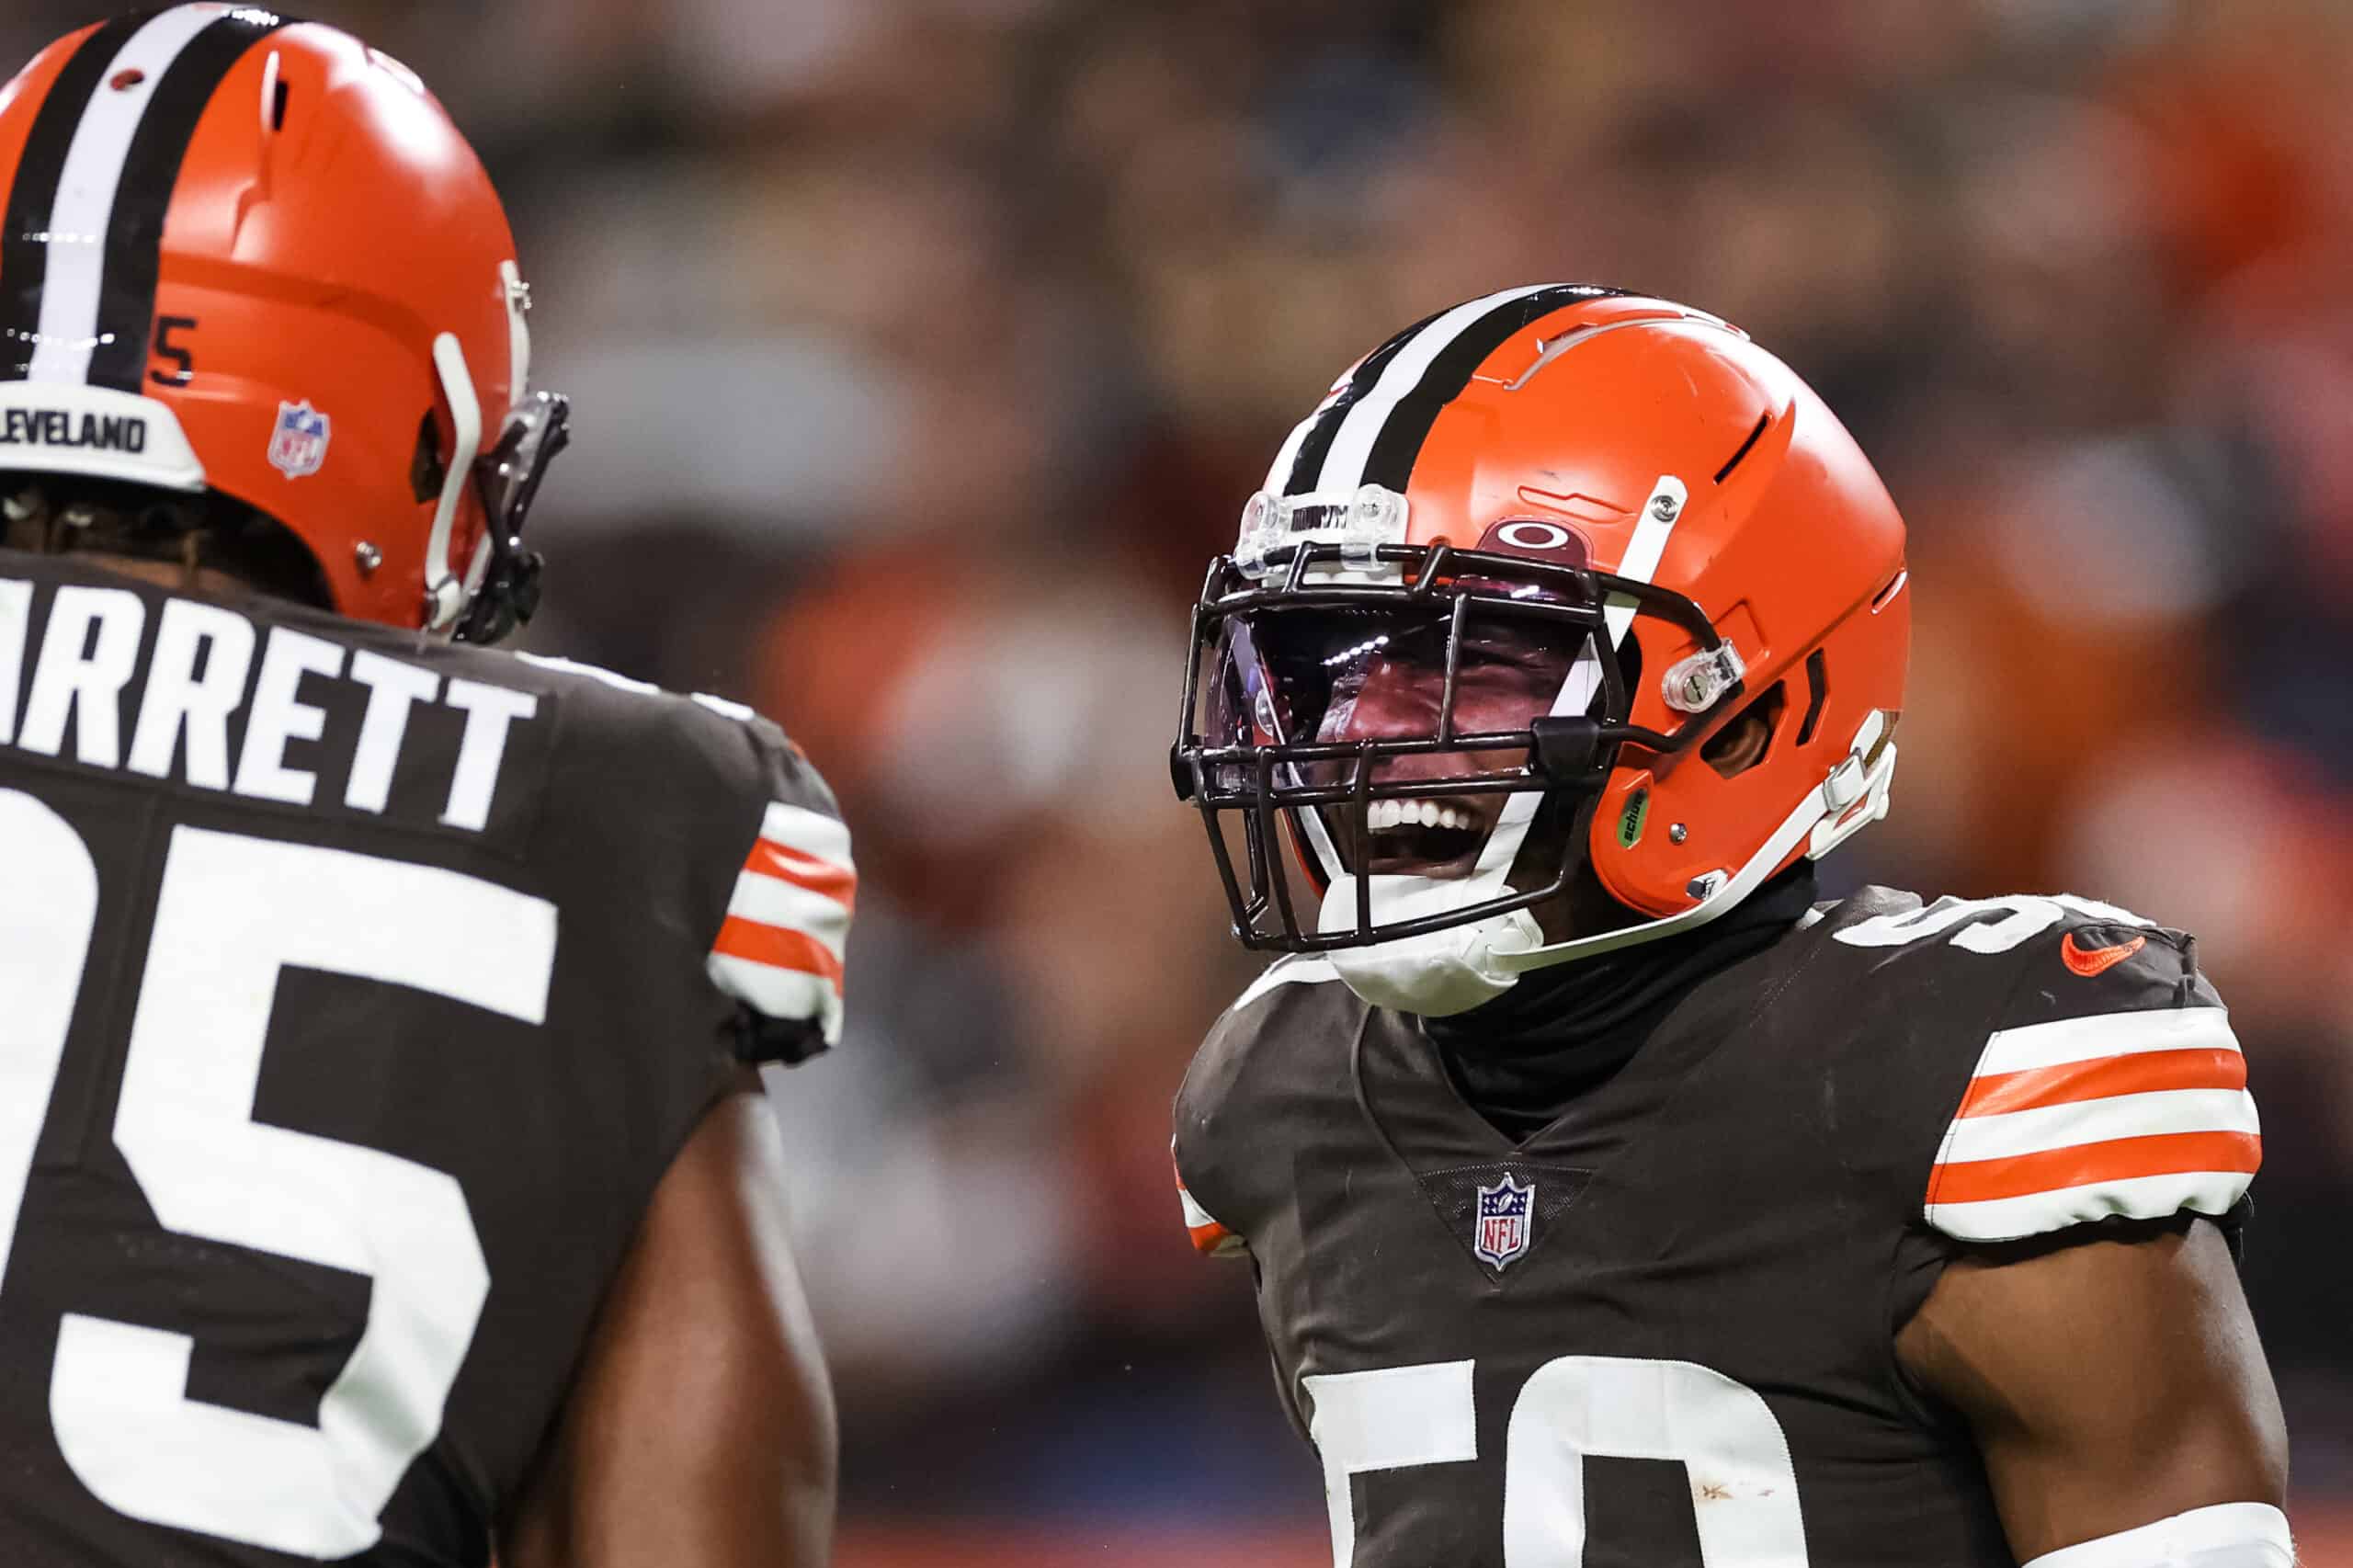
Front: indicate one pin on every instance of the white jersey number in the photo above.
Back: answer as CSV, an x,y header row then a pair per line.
x,y
1744,1487
231,913
2022,918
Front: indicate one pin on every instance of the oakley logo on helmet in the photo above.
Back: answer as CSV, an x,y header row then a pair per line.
x,y
1537,537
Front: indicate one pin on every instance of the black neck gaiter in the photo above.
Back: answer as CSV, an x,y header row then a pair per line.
x,y
1522,1058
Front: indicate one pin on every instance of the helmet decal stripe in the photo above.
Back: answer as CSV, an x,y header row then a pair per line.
x,y
98,212
1392,450
82,205
1314,439
1419,381
151,169
1374,392
25,240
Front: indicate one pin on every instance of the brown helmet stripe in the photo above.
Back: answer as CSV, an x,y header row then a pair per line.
x,y
151,170
1390,459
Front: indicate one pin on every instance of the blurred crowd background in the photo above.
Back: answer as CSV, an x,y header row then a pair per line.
x,y
926,350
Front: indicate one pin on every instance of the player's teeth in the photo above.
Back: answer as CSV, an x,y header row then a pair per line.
x,y
1382,816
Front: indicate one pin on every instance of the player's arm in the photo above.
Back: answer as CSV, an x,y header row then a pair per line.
x,y
2091,1328
700,1431
2112,1385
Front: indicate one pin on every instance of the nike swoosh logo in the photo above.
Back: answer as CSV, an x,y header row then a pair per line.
x,y
2089,962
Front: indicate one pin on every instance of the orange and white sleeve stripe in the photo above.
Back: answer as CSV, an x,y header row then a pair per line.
x,y
780,951
2138,1115
1209,1238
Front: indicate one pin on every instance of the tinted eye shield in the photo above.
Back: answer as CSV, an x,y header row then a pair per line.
x,y
1233,755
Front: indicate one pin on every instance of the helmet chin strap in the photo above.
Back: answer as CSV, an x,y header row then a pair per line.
x,y
1436,974
1854,796
1452,970
445,591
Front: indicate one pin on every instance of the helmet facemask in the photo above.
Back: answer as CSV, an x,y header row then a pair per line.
x,y
505,590
1431,728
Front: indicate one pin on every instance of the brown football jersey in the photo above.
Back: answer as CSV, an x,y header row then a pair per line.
x,y
1660,1331
357,989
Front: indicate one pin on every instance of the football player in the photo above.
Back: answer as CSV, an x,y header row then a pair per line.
x,y
1609,1199
384,1175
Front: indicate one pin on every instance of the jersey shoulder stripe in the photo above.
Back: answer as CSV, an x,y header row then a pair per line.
x,y
2131,1114
1234,1084
1209,1238
779,950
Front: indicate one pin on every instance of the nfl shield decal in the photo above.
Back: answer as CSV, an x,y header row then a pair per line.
x,y
298,447
1504,1211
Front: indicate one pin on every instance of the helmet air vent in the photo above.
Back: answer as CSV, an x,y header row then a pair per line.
x,y
1817,685
1748,739
426,474
274,92
1886,595
1746,448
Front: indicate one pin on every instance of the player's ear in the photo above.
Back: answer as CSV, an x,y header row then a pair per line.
x,y
1741,745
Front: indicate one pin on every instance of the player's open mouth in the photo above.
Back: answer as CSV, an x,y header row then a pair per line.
x,y
1419,836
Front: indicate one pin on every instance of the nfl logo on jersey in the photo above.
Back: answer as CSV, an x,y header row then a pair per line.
x,y
298,446
1503,1221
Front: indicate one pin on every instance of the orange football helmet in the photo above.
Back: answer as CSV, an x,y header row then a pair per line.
x,y
255,257
1619,509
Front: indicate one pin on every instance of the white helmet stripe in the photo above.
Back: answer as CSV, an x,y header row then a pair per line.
x,y
1343,462
132,131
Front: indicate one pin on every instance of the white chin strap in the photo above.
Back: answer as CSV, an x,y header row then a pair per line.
x,y
450,585
1457,969
445,590
2228,1535
1436,975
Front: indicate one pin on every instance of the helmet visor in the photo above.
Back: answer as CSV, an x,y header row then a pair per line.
x,y
1418,713
1396,731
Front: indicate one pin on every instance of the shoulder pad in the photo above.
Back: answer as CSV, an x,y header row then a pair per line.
x,y
1213,1146
2109,1085
766,854
779,951
1210,1237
